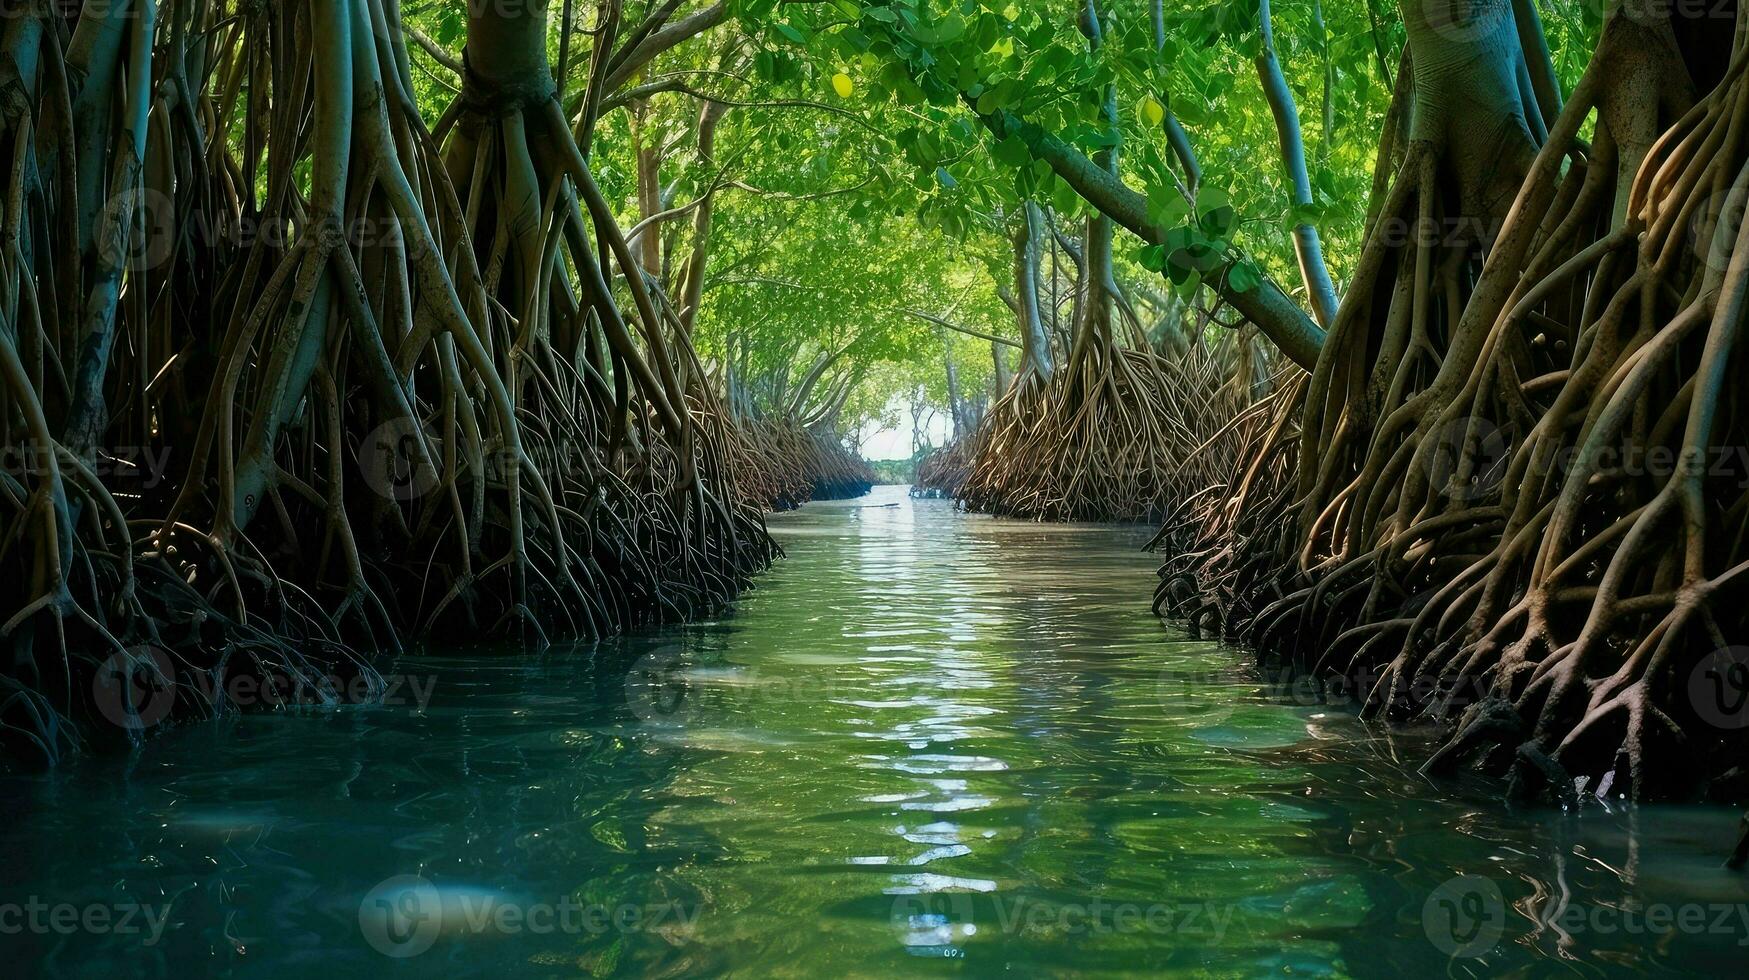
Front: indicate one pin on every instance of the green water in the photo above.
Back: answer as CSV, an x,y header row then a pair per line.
x,y
927,744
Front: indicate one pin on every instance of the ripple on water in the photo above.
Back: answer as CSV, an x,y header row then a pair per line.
x,y
924,736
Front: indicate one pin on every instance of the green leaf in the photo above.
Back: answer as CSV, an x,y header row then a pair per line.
x,y
1183,278
1244,276
1214,209
1210,198
1218,224
1190,112
1063,198
986,32
942,31
1012,151
449,26
1302,214
1167,208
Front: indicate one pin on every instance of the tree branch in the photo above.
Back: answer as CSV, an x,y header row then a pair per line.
x,y
968,331
1320,292
646,50
1280,319
430,46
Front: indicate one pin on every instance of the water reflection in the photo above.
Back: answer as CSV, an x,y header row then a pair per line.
x,y
925,740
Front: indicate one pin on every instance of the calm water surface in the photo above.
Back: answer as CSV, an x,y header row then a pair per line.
x,y
927,744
